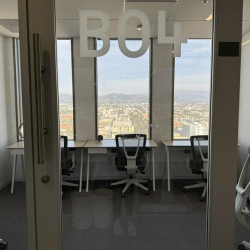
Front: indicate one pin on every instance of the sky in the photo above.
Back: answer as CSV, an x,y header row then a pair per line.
x,y
120,74
64,66
193,68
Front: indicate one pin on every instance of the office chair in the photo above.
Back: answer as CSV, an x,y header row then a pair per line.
x,y
242,202
67,164
3,244
198,164
130,158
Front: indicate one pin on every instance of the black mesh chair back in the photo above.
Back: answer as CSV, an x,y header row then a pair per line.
x,y
196,164
129,146
65,162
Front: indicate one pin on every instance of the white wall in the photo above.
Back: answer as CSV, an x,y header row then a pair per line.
x,y
7,109
244,112
162,87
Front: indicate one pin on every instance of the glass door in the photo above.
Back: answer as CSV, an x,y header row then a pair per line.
x,y
30,189
122,123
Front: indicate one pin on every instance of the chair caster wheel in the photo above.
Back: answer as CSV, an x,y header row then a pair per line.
x,y
202,199
123,195
184,190
3,245
146,192
241,246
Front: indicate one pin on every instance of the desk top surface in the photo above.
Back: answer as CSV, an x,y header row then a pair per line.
x,y
181,143
111,144
71,144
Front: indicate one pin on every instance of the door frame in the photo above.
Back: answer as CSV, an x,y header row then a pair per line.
x,y
44,200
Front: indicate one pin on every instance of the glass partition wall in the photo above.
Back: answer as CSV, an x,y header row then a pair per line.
x,y
122,84
242,201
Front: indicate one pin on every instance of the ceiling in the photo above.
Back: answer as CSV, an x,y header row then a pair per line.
x,y
192,13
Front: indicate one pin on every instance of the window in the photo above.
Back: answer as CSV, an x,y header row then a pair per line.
x,y
65,79
192,89
123,91
66,106
18,87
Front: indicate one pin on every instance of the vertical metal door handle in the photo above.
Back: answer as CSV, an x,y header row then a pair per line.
x,y
39,98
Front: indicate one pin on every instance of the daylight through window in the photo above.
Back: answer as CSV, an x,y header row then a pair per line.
x,y
123,91
66,107
192,89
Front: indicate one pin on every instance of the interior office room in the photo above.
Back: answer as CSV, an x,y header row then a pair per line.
x,y
164,94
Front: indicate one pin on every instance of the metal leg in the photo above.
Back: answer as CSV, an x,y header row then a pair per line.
x,y
69,184
73,159
91,170
81,170
126,187
153,167
119,182
87,174
150,159
204,191
23,162
198,185
140,185
168,168
13,174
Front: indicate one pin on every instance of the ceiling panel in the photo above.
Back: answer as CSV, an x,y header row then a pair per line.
x,y
114,8
246,10
65,10
151,9
205,32
8,9
246,27
192,10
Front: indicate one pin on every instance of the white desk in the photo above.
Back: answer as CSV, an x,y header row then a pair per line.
x,y
95,147
176,145
18,149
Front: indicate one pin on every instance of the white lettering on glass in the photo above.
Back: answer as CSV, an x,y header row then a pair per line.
x,y
85,33
122,33
177,39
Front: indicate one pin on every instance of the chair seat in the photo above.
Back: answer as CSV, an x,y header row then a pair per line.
x,y
141,163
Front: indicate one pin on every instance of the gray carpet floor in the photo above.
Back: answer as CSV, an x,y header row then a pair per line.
x,y
104,220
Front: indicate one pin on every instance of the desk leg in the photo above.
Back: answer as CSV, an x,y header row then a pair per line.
x,y
13,174
153,167
150,160
87,175
81,171
168,168
23,168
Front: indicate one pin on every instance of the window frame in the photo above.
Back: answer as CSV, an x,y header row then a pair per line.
x,y
150,85
173,91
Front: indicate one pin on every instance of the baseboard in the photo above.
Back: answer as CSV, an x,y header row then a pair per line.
x,y
5,184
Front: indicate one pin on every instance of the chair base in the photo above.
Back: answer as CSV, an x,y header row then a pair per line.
x,y
243,245
69,184
198,185
128,183
3,244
